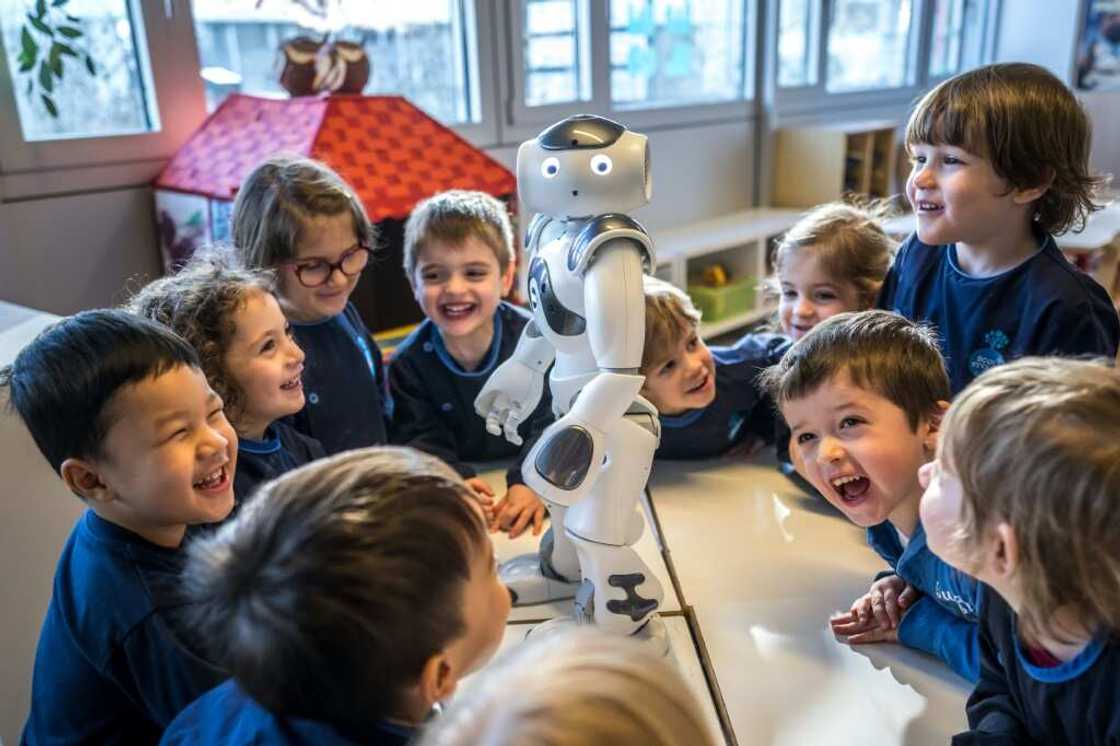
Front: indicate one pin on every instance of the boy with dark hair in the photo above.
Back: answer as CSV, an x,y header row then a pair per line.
x,y
707,398
1023,495
458,257
118,406
1001,163
349,596
863,394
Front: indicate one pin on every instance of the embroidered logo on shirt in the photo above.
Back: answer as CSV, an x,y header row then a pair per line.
x,y
990,356
947,597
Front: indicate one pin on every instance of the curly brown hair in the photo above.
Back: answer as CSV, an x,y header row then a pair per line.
x,y
199,303
1030,127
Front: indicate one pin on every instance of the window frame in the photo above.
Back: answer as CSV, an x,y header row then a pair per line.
x,y
523,121
807,100
46,167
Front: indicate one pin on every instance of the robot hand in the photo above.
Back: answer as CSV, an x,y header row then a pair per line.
x,y
514,389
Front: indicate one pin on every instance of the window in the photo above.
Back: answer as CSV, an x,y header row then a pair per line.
x,y
419,49
957,37
797,31
676,52
868,44
116,98
556,52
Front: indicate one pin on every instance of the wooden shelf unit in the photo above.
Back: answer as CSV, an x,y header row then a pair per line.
x,y
821,164
740,241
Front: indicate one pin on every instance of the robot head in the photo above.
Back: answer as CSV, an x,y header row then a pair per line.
x,y
584,165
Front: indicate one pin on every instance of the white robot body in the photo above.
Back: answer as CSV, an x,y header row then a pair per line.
x,y
586,260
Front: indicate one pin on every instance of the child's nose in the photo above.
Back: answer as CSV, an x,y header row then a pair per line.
x,y
295,352
456,283
829,451
923,175
804,307
214,441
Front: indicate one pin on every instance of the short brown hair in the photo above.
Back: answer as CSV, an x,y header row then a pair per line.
x,y
670,316
1030,127
453,216
279,197
880,351
1036,443
198,303
849,242
327,595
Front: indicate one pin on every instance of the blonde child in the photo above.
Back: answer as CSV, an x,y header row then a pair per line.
x,y
458,257
297,217
706,397
1024,495
1001,163
347,599
580,688
832,260
863,394
232,318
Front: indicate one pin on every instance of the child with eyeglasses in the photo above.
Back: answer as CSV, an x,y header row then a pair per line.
x,y
298,217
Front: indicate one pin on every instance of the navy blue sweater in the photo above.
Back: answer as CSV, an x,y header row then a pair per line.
x,y
282,449
1045,306
433,398
109,668
739,409
943,622
227,716
344,382
1016,702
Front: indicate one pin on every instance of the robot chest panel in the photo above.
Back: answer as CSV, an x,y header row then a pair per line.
x,y
554,292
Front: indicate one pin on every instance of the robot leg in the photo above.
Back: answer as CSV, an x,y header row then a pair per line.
x,y
549,574
620,592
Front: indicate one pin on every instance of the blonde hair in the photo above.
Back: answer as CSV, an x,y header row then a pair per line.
x,y
670,315
849,242
198,303
1035,443
582,687
276,201
454,216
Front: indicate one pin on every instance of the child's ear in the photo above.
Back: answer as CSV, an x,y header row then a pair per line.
x,y
508,276
1003,556
1033,194
84,480
933,426
437,679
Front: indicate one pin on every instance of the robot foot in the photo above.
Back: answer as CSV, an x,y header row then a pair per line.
x,y
530,584
653,634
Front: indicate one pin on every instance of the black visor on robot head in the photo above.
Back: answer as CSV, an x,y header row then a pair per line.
x,y
581,131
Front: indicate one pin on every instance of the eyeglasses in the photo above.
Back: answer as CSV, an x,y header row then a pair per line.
x,y
316,272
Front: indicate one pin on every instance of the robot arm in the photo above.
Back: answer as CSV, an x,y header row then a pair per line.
x,y
514,389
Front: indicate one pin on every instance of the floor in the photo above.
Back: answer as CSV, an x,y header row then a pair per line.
x,y
752,569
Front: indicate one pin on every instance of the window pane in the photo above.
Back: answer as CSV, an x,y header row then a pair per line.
x,y
797,36
557,59
117,99
670,52
945,42
417,49
868,44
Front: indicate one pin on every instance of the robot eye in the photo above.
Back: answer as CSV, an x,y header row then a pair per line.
x,y
550,167
601,165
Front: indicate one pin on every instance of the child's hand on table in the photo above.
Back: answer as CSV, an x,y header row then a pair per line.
x,y
518,510
484,497
875,616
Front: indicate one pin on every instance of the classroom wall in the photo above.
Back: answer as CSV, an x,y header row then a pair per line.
x,y
63,254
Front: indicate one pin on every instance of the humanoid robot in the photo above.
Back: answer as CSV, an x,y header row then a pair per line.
x,y
586,260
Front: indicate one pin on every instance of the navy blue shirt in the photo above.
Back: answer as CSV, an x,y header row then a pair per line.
x,y
943,622
344,382
433,398
109,668
258,461
1044,306
740,409
1076,703
227,716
